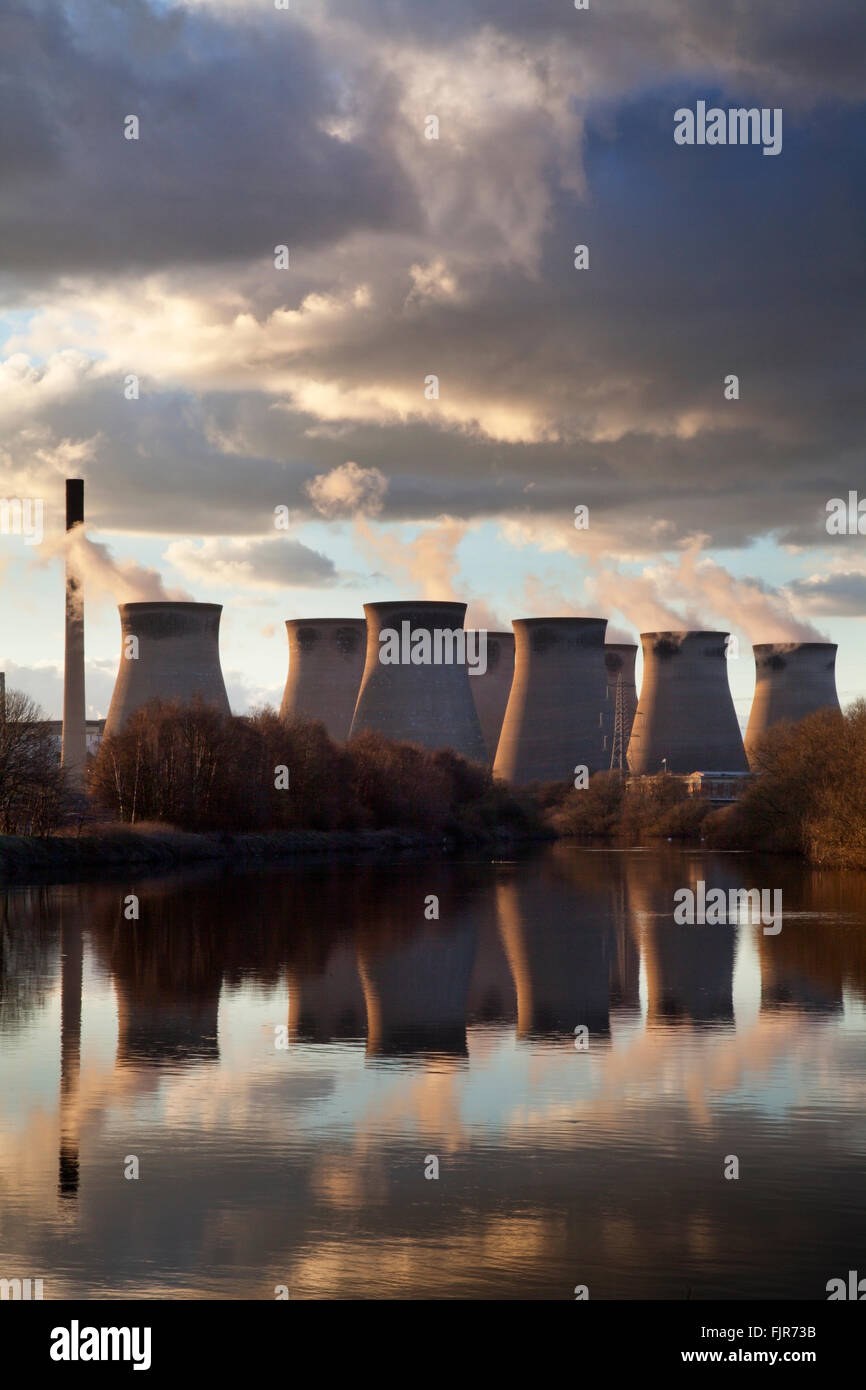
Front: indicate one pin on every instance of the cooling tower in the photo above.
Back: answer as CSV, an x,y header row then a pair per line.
x,y
73,754
178,658
326,662
619,659
555,718
327,1004
491,690
685,720
792,679
416,991
428,702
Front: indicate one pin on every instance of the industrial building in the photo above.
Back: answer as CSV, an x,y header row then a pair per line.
x,y
792,680
685,720
326,662
429,703
169,651
557,707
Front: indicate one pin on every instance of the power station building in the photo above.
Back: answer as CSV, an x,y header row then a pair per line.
x,y
415,687
326,662
169,651
685,719
556,716
792,680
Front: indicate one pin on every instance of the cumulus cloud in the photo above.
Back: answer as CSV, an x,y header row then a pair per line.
x,y
348,491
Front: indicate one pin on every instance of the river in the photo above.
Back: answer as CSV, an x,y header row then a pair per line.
x,y
303,1082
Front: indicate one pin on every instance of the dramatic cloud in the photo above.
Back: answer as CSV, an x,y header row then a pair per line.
x,y
233,154
414,258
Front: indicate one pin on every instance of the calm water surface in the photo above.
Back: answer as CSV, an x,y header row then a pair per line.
x,y
405,1040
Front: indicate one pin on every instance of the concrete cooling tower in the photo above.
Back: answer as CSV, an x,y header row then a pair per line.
x,y
410,690
178,658
619,659
685,720
416,991
326,662
557,708
491,690
792,680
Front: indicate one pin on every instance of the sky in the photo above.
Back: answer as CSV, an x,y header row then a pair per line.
x,y
154,342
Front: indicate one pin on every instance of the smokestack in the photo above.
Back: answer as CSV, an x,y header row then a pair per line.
x,y
169,651
491,690
556,710
619,660
685,720
792,680
72,965
429,703
326,662
73,753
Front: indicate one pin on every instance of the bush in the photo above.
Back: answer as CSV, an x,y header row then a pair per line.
x,y
808,797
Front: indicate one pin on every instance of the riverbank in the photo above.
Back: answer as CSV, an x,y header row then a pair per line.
x,y
120,847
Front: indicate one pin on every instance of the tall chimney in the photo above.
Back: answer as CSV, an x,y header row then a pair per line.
x,y
74,749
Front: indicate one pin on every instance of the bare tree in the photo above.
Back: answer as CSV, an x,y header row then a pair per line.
x,y
32,789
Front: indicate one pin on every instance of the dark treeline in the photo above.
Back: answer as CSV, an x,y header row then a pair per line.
x,y
196,769
808,798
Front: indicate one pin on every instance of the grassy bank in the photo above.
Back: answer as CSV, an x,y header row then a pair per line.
x,y
159,847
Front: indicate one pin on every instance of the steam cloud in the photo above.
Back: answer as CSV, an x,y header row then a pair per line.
x,y
429,565
103,577
695,591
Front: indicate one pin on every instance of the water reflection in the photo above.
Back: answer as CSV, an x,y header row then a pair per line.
x,y
411,1035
